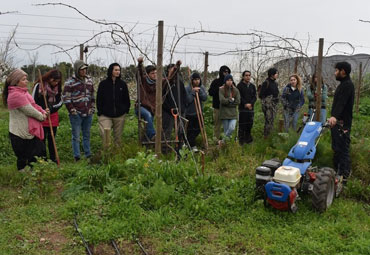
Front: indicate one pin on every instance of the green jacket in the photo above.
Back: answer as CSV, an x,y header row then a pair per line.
x,y
228,105
312,98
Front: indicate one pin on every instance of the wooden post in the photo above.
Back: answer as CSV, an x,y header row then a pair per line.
x,y
81,52
281,125
138,87
158,96
205,68
296,65
319,80
358,88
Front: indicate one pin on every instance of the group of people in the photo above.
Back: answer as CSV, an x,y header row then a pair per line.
x,y
29,124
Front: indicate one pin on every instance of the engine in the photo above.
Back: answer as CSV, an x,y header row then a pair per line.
x,y
278,184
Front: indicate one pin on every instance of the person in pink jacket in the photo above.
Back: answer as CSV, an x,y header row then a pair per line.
x,y
25,119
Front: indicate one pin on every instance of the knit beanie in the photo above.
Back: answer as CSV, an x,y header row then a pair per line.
x,y
195,76
228,77
15,76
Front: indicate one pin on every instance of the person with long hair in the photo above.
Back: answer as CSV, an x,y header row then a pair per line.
x,y
312,95
113,102
293,100
52,89
229,100
25,119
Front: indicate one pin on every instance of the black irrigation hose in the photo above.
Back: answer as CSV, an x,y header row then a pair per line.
x,y
141,247
82,237
115,247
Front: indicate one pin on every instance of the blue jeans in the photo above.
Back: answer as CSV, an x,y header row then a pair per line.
x,y
322,115
290,116
229,127
148,117
78,122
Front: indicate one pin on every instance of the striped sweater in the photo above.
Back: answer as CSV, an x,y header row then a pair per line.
x,y
78,96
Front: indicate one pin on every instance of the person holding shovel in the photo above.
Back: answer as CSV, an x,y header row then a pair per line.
x,y
25,120
53,92
196,86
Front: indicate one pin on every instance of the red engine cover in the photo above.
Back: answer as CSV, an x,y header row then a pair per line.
x,y
283,206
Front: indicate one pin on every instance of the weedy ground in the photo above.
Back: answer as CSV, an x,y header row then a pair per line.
x,y
172,207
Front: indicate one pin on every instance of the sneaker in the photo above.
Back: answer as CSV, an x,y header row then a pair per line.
x,y
77,159
194,149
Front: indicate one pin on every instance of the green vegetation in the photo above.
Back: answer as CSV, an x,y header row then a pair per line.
x,y
172,207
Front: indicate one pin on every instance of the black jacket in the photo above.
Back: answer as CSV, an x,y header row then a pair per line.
x,y
343,102
248,95
171,92
112,100
270,88
39,99
215,86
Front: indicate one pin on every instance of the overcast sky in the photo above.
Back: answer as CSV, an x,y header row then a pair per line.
x,y
335,21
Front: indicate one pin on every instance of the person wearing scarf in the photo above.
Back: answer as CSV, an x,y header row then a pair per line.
x,y
52,81
148,77
25,117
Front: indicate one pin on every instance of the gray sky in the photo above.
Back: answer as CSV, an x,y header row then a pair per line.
x,y
335,21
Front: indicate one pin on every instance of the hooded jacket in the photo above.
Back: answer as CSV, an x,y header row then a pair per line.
x,y
112,99
78,93
215,85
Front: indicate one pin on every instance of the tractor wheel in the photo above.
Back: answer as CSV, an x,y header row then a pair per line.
x,y
323,189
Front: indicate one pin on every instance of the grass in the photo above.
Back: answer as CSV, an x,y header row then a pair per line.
x,y
128,193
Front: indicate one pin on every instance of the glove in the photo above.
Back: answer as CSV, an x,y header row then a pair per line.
x,y
91,111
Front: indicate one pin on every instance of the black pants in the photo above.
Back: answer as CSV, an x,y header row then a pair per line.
x,y
26,150
168,123
340,143
245,126
50,142
193,129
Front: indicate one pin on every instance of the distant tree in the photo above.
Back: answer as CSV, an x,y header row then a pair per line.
x,y
65,68
32,70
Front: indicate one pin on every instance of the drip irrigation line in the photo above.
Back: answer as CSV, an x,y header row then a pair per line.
x,y
141,246
114,244
82,237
